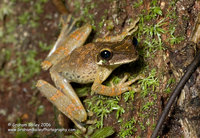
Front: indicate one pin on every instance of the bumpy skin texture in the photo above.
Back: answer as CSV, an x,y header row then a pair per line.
x,y
69,61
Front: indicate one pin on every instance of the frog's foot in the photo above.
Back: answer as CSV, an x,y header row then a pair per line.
x,y
80,125
130,29
91,122
126,32
90,113
124,85
68,23
62,122
117,89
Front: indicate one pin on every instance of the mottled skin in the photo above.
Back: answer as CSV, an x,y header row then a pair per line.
x,y
69,61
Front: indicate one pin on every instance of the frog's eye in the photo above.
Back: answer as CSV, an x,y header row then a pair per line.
x,y
106,54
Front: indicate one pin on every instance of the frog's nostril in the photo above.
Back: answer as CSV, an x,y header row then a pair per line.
x,y
135,41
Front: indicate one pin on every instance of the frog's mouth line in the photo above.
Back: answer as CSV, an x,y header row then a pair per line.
x,y
126,62
104,62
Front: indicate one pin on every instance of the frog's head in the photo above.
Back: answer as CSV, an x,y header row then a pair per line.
x,y
117,53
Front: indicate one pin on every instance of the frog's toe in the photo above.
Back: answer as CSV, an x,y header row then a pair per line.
x,y
80,125
40,83
124,79
128,83
91,122
46,65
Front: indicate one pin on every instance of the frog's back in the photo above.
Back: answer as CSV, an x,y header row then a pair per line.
x,y
79,66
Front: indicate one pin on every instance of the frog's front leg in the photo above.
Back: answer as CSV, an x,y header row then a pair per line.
x,y
64,98
126,32
113,90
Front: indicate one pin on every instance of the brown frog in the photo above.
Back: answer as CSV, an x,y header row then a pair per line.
x,y
71,61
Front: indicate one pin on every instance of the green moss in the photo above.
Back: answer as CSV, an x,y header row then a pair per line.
x,y
8,35
174,39
44,46
38,8
5,57
26,65
40,110
109,25
26,70
103,132
24,18
31,18
129,95
138,4
6,9
147,105
149,83
128,128
103,18
169,83
152,41
81,92
102,106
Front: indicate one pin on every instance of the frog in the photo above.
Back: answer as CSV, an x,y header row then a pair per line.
x,y
71,60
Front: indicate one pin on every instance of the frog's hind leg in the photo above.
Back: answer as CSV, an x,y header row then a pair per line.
x,y
66,41
71,107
